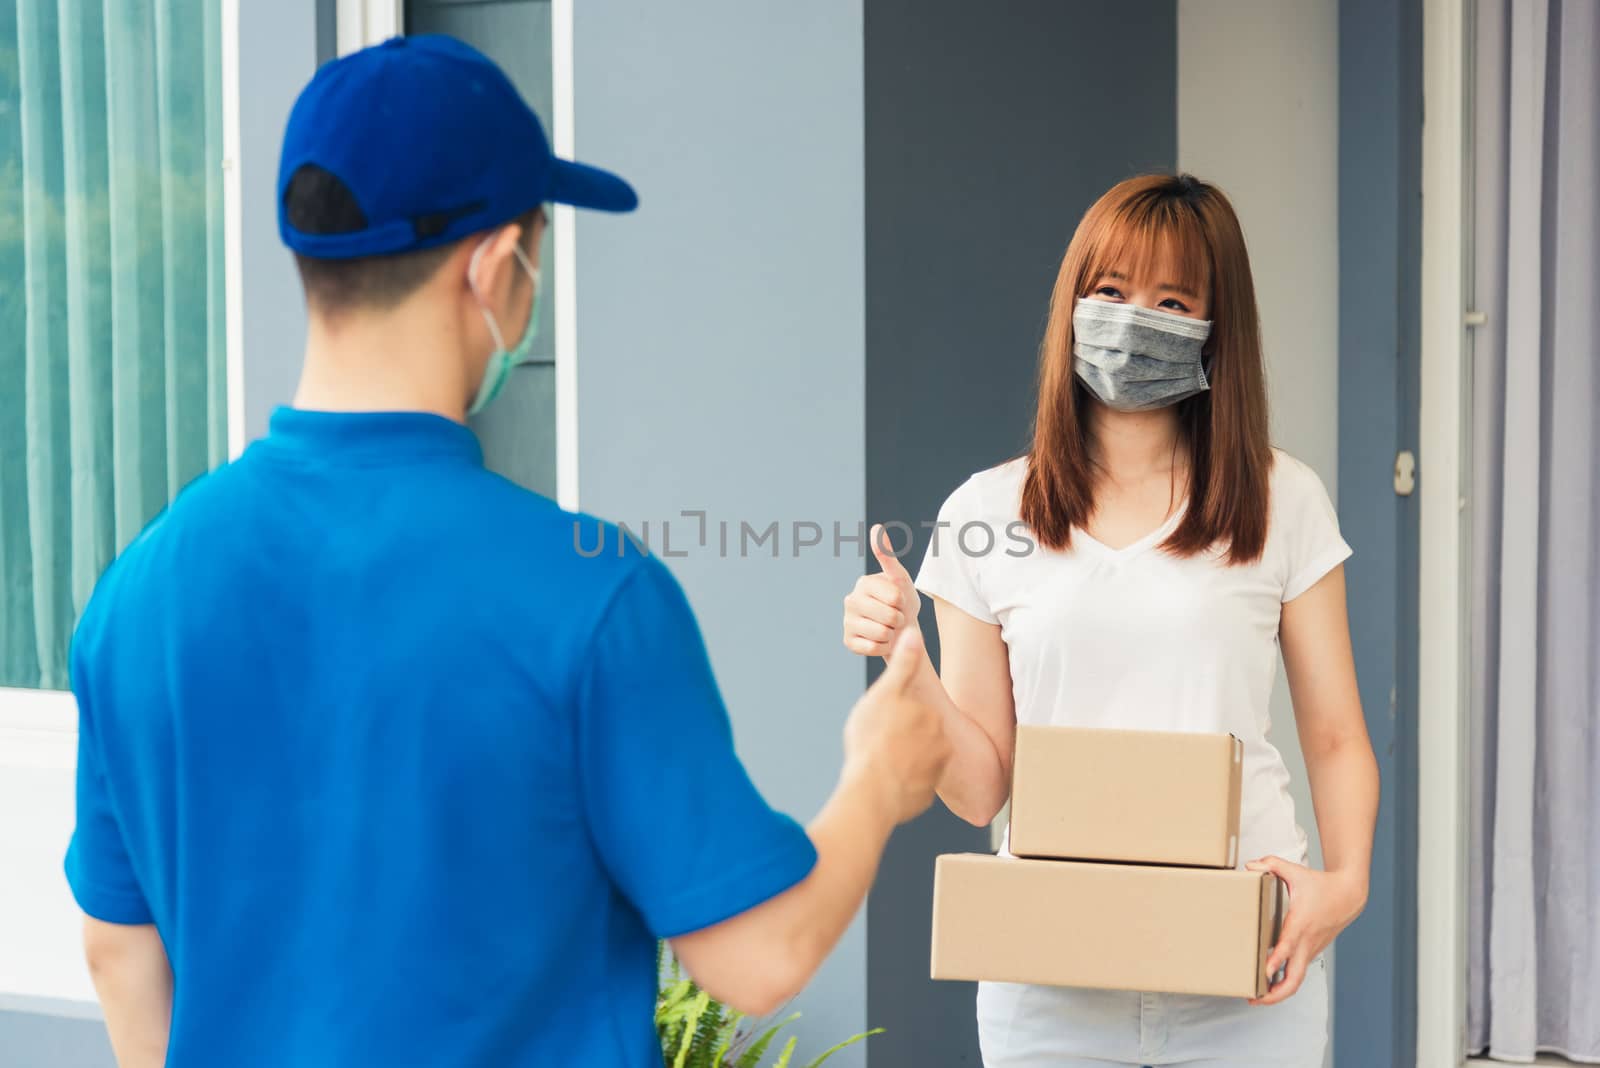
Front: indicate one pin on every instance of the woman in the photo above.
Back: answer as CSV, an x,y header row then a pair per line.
x,y
1146,559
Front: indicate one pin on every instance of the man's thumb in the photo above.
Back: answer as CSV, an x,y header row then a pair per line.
x,y
884,551
903,657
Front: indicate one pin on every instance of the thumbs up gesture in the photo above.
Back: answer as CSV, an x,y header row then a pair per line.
x,y
881,605
895,735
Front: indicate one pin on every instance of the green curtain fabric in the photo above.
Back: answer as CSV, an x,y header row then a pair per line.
x,y
112,388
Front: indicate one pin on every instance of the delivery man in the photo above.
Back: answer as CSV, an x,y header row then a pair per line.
x,y
375,768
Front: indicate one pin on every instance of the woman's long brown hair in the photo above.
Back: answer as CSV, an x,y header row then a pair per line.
x,y
1190,224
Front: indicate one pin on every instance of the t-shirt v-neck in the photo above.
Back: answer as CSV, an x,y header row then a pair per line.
x,y
1149,541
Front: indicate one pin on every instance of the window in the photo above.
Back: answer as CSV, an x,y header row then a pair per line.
x,y
112,368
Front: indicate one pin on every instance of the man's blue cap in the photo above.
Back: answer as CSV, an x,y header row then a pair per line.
x,y
434,143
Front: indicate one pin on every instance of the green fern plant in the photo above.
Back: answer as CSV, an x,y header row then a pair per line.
x,y
698,1031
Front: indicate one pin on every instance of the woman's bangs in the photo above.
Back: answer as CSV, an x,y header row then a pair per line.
x,y
1159,241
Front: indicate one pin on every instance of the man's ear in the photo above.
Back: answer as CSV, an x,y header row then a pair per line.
x,y
496,266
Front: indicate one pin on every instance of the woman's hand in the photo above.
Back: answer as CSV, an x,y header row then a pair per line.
x,y
881,604
1321,904
972,690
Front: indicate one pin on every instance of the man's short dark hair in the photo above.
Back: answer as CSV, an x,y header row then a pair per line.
x,y
318,202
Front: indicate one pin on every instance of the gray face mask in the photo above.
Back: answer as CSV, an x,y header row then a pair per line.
x,y
1136,359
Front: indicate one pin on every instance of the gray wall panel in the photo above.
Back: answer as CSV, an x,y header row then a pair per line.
x,y
278,53
1380,234
989,132
44,1040
720,349
518,430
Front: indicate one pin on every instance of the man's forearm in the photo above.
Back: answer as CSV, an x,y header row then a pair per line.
x,y
134,981
761,958
850,834
895,750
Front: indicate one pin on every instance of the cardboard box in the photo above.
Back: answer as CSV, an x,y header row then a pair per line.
x,y
1142,797
1111,926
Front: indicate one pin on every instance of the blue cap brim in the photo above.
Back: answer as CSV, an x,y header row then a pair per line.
x,y
584,186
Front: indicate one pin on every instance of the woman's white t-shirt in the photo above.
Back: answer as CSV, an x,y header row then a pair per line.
x,y
1136,638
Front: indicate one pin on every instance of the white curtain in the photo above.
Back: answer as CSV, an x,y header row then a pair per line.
x,y
112,395
1534,892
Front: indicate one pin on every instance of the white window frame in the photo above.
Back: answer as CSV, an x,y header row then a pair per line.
x,y
36,710
232,229
1442,630
359,23
564,141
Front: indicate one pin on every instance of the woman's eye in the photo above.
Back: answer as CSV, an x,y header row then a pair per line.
x,y
1109,291
1175,304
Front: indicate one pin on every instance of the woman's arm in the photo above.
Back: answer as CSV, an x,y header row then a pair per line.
x,y
973,691
1315,636
1333,732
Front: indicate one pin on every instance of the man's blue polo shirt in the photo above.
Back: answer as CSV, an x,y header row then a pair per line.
x,y
403,772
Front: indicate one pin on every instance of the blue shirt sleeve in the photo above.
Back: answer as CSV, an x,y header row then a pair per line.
x,y
99,870
678,824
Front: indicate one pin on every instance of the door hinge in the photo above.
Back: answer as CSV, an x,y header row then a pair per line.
x,y
1405,473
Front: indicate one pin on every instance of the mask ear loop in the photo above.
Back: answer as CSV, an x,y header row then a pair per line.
x,y
527,264
472,284
1208,353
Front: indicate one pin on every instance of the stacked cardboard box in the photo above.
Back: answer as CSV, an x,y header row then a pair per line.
x,y
1122,876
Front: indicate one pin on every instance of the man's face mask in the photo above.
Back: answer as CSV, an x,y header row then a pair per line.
x,y
1137,359
503,360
